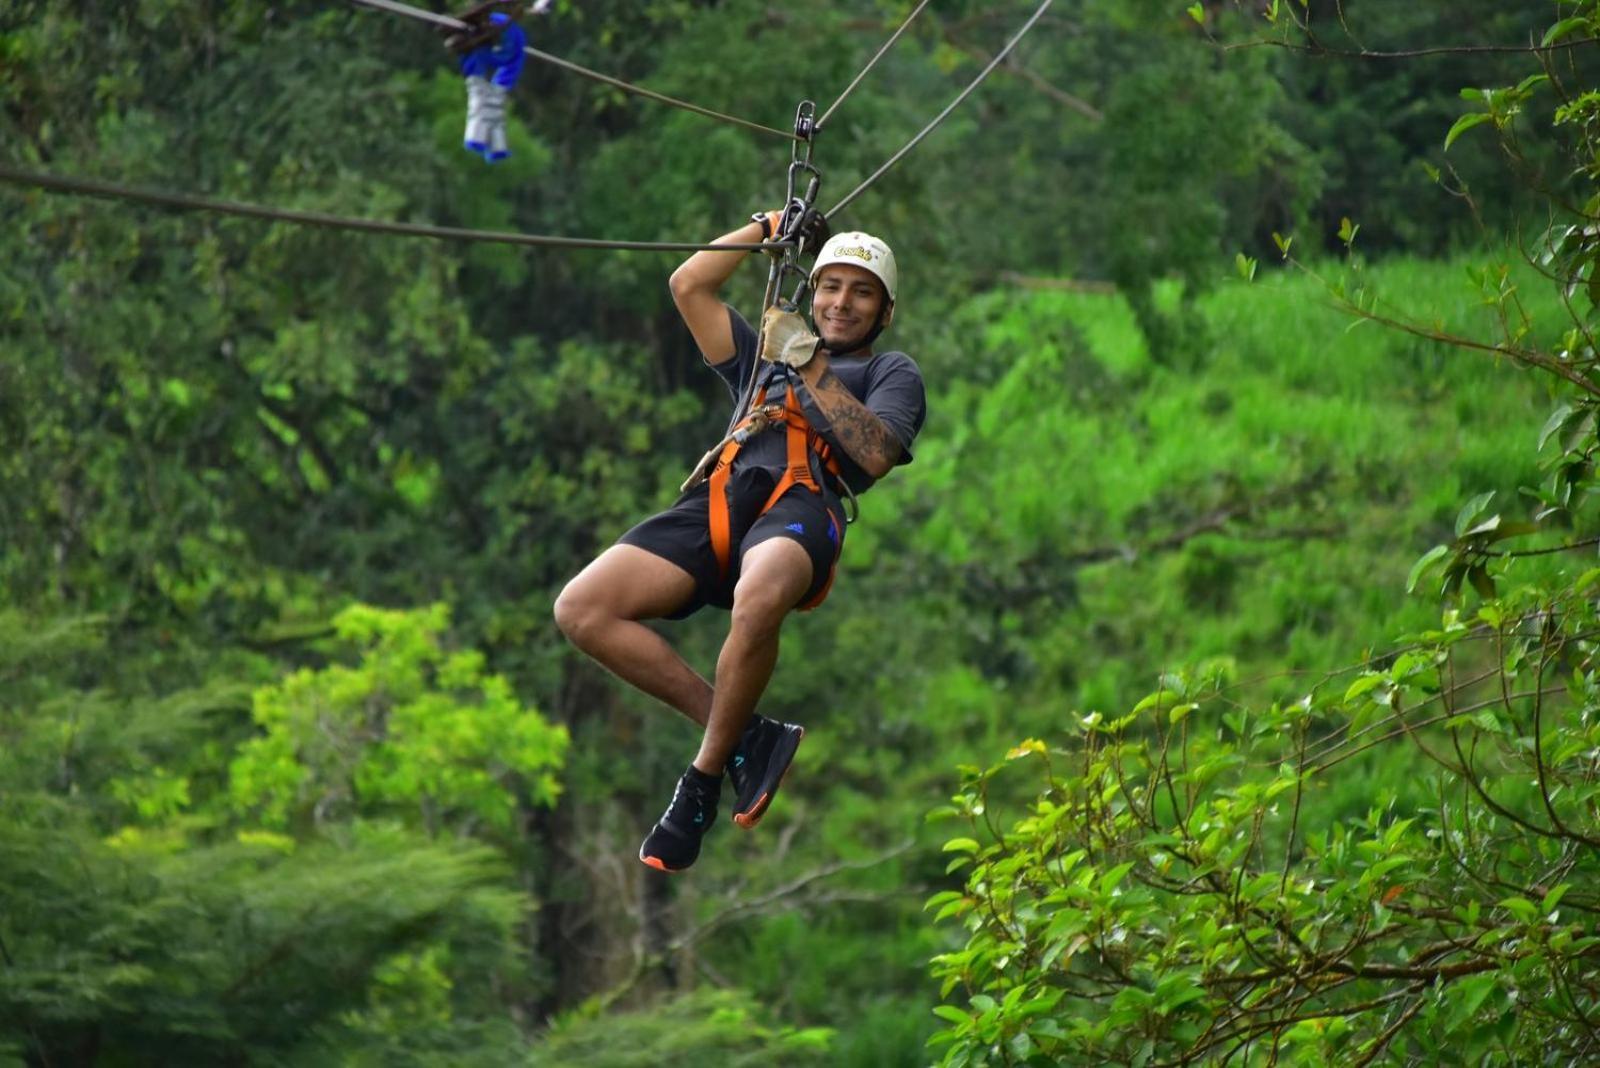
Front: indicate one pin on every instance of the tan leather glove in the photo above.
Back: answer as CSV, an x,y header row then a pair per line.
x,y
786,339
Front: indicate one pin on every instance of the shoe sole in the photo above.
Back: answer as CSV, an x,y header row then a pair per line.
x,y
752,816
659,865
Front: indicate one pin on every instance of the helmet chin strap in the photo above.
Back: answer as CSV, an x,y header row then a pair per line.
x,y
867,339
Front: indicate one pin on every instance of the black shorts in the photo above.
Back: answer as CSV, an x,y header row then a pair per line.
x,y
682,534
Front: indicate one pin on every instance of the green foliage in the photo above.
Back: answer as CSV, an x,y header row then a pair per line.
x,y
1098,517
1189,881
1178,888
1214,120
1383,171
413,730
208,952
142,920
715,1024
216,434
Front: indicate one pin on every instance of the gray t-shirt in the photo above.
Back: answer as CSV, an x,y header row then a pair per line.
x,y
889,384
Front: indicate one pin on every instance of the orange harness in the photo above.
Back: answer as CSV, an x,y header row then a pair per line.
x,y
802,443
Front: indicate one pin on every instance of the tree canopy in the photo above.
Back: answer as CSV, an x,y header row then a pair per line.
x,y
1240,593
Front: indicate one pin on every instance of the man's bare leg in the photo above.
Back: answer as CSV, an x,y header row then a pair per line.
x,y
600,610
773,577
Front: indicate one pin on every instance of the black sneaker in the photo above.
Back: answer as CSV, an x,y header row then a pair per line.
x,y
674,843
758,766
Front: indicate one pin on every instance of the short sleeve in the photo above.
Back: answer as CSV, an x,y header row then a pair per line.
x,y
736,371
896,396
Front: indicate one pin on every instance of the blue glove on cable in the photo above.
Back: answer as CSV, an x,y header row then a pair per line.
x,y
491,71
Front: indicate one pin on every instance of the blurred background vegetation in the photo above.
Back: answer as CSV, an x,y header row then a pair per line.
x,y
294,767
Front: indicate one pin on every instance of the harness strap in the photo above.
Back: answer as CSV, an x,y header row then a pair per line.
x,y
801,443
827,585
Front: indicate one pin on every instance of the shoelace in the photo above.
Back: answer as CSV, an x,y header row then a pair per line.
x,y
688,796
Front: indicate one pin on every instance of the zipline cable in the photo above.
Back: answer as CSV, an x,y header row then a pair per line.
x,y
870,64
185,202
393,7
112,191
926,130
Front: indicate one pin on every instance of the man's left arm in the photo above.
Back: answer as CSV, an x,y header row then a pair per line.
x,y
868,439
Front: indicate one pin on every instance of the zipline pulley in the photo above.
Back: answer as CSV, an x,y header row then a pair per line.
x,y
805,127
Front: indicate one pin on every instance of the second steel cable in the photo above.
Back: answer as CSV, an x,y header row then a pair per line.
x,y
870,64
939,118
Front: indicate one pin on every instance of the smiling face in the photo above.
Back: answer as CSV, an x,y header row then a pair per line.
x,y
845,305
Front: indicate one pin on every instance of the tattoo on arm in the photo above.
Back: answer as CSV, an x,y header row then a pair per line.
x,y
863,435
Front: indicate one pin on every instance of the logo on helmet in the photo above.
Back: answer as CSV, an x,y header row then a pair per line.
x,y
856,252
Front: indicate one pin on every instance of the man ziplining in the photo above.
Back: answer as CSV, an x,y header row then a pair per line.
x,y
760,526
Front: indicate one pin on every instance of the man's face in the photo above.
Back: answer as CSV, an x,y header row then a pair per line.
x,y
845,304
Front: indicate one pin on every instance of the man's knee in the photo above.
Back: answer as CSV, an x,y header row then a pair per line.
x,y
757,611
769,590
624,583
577,610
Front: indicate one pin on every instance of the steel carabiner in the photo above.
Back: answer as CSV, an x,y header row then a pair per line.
x,y
798,212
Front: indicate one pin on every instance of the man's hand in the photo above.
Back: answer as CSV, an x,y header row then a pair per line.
x,y
794,223
770,222
786,339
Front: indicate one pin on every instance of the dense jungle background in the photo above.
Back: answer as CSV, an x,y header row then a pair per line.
x,y
1216,686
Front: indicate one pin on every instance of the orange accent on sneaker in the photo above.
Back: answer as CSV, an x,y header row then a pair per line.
x,y
749,819
752,816
656,863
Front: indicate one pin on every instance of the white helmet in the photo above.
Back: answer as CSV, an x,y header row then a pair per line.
x,y
859,250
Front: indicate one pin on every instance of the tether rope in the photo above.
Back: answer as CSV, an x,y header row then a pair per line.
x,y
112,191
926,130
870,64
437,19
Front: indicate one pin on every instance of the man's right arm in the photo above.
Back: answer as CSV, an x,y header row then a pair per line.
x,y
697,284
